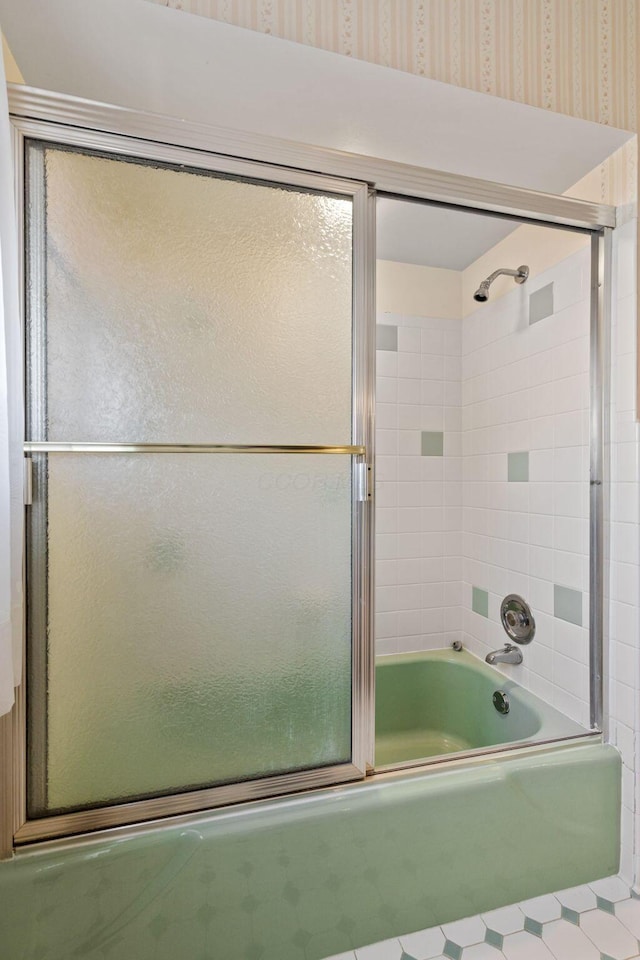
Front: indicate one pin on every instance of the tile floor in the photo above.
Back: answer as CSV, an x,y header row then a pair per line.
x,y
598,921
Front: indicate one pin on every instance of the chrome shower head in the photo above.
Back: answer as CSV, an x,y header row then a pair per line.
x,y
482,293
519,275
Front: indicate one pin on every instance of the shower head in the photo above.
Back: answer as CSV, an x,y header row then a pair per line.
x,y
519,275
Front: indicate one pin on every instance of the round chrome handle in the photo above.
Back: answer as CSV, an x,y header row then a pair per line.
x,y
517,619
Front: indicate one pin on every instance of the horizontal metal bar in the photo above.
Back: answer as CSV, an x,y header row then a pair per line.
x,y
354,450
385,175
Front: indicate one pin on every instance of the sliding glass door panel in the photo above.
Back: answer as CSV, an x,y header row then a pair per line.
x,y
195,620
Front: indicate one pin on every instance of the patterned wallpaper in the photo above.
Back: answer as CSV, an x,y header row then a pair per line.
x,y
570,56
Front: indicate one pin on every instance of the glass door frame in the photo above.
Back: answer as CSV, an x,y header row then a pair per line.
x,y
48,116
359,451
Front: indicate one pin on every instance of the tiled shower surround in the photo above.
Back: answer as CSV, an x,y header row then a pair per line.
x,y
501,506
499,503
418,488
525,529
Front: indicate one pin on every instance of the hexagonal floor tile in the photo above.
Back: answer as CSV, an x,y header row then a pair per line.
x,y
425,944
523,946
564,939
464,933
542,909
628,912
577,898
609,934
610,888
505,920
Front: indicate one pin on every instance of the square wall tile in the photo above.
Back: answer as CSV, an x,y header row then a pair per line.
x,y
541,303
480,601
432,443
518,467
567,604
386,337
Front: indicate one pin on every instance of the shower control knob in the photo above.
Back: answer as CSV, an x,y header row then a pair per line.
x,y
517,619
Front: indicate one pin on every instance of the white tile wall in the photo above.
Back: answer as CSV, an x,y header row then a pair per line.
x,y
418,567
526,388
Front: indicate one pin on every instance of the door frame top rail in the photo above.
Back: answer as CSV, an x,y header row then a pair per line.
x,y
390,176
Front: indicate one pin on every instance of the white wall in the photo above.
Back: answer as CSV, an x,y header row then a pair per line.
x,y
624,657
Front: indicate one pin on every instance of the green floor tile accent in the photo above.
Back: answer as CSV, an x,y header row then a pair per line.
x,y
386,337
605,956
533,926
605,905
518,467
452,950
480,601
494,939
405,956
567,604
432,443
571,915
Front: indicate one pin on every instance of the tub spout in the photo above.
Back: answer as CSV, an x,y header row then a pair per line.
x,y
509,654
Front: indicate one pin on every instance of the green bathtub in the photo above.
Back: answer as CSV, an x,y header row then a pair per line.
x,y
441,701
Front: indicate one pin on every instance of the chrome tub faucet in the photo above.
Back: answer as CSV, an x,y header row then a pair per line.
x,y
509,654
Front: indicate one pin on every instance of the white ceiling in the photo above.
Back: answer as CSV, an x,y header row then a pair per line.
x,y
435,237
148,57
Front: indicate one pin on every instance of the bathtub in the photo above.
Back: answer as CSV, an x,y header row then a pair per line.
x,y
309,876
440,702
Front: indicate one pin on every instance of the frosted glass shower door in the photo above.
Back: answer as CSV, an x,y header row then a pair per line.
x,y
193,535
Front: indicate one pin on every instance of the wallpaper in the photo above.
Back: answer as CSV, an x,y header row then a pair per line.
x,y
570,56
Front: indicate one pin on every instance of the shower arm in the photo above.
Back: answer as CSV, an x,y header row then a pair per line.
x,y
518,274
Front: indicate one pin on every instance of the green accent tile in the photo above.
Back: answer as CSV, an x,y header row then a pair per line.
x,y
605,956
541,303
567,604
533,926
480,601
518,467
452,950
432,443
386,337
605,905
405,956
494,939
571,915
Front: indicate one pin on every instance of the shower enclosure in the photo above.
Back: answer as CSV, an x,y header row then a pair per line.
x,y
200,345
482,503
